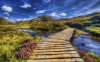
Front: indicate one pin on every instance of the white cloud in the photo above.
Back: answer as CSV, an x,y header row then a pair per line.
x,y
86,12
19,19
26,5
53,14
7,8
6,13
58,15
88,6
63,14
6,17
40,11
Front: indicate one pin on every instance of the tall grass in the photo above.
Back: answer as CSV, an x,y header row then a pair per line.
x,y
10,39
93,29
89,57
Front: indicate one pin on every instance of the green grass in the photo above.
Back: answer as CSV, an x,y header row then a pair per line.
x,y
10,39
94,57
48,26
93,29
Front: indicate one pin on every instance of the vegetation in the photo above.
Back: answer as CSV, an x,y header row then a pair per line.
x,y
10,39
43,24
5,22
48,26
15,48
89,57
93,29
25,50
23,24
89,23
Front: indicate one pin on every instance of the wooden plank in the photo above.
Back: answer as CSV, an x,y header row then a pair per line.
x,y
50,50
51,46
54,45
66,42
48,53
58,60
56,49
59,56
42,48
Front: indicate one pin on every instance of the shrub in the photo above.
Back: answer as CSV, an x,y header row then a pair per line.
x,y
7,28
89,57
24,50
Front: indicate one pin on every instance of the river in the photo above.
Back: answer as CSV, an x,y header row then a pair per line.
x,y
33,33
86,43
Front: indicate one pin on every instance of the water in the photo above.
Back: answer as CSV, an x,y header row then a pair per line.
x,y
85,43
33,33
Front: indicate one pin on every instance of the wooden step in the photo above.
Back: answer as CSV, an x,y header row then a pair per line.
x,y
55,53
42,48
52,44
56,48
55,41
59,38
51,50
47,46
58,60
53,47
59,56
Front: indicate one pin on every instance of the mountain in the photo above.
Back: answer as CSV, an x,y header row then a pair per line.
x,y
43,18
3,21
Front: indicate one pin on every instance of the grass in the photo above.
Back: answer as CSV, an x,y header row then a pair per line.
x,y
93,29
10,39
89,56
48,26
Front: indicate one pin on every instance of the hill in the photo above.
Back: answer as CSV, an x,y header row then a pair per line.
x,y
3,21
89,23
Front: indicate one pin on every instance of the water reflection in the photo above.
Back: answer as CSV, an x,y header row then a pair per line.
x,y
33,33
85,43
28,31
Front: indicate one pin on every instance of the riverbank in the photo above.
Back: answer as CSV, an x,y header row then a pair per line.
x,y
10,40
88,34
87,47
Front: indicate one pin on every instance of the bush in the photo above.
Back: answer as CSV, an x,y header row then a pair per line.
x,y
93,29
7,28
89,57
9,41
25,50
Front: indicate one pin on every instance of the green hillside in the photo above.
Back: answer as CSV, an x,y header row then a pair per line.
x,y
89,23
3,21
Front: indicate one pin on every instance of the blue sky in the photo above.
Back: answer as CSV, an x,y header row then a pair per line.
x,y
28,9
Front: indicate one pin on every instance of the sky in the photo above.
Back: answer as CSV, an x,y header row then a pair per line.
x,y
15,10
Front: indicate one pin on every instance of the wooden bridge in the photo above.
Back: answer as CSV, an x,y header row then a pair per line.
x,y
56,48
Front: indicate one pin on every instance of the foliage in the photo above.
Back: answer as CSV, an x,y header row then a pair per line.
x,y
7,28
23,24
43,24
89,23
47,26
25,50
5,22
93,29
10,39
89,57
